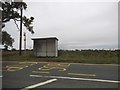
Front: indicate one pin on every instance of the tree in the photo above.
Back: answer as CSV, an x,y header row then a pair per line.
x,y
10,11
7,40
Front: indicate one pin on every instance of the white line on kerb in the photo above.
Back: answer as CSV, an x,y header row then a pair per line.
x,y
85,79
1,76
39,84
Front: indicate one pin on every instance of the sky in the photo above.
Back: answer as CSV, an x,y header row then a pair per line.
x,y
77,24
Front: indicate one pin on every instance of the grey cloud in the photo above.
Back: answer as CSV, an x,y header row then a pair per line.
x,y
75,24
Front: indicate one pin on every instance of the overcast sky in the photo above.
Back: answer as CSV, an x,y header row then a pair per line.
x,y
77,25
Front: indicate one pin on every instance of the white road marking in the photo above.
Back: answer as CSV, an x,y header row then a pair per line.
x,y
72,78
1,76
39,84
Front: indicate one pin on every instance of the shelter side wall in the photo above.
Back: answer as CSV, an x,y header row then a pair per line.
x,y
56,48
50,48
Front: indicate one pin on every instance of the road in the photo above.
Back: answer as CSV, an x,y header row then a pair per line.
x,y
30,75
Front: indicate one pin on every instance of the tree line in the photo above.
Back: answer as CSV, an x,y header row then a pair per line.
x,y
89,53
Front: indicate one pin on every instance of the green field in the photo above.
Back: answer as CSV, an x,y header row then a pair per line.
x,y
75,56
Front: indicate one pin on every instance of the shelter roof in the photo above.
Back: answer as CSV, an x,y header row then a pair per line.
x,y
44,38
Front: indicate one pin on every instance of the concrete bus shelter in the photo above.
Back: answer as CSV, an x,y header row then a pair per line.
x,y
45,47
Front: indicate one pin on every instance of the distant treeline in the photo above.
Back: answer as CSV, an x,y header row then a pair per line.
x,y
90,53
81,53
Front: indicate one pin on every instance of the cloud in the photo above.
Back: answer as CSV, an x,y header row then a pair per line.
x,y
75,24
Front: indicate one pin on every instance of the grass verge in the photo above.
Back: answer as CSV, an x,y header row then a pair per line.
x,y
101,57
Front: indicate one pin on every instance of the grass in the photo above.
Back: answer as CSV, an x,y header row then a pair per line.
x,y
83,56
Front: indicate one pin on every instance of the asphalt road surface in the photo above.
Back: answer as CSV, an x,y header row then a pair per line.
x,y
30,75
